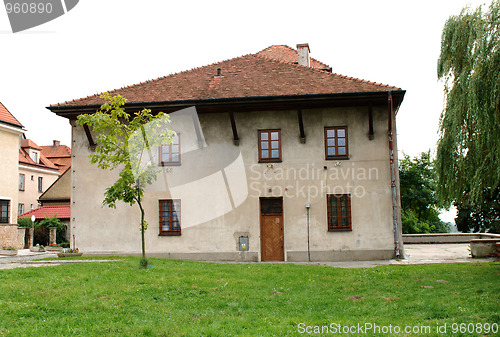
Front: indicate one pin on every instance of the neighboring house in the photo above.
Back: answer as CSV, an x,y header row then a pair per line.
x,y
276,158
55,201
59,193
36,174
10,132
59,155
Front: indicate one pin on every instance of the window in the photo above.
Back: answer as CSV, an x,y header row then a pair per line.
x,y
34,156
336,143
271,206
269,145
20,209
171,154
4,211
339,212
40,184
170,217
21,181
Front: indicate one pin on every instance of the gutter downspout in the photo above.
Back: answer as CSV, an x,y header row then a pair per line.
x,y
393,176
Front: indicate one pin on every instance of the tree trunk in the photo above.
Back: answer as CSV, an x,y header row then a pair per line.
x,y
143,241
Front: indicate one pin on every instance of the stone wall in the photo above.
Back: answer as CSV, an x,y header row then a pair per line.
x,y
11,235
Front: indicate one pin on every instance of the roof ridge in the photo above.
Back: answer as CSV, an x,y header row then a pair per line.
x,y
276,45
294,50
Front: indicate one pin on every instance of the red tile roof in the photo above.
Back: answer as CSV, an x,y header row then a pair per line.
x,y
24,157
58,151
28,143
59,155
271,72
61,212
289,55
7,117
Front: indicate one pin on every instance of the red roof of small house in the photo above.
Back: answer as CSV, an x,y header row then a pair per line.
x,y
271,72
61,212
7,117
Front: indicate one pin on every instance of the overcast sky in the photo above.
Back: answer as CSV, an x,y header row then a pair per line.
x,y
103,45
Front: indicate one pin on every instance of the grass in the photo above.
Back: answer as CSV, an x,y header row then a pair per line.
x,y
179,298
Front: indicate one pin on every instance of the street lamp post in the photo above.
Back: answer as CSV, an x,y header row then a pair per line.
x,y
33,218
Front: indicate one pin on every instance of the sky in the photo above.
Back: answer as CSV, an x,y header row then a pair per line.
x,y
104,45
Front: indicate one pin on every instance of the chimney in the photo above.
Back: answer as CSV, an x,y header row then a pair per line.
x,y
303,51
56,143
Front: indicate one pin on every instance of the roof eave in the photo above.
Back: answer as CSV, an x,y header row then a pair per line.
x,y
248,103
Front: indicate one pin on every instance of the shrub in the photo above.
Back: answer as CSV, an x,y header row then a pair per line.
x,y
24,222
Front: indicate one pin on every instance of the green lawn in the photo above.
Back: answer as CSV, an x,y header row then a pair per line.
x,y
178,298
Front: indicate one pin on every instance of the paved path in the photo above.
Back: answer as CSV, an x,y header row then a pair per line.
x,y
24,256
414,254
419,254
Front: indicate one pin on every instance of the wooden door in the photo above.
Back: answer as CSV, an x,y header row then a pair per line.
x,y
271,229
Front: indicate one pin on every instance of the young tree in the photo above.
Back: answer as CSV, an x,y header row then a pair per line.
x,y
124,142
419,203
468,153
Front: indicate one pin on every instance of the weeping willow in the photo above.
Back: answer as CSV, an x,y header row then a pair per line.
x,y
468,152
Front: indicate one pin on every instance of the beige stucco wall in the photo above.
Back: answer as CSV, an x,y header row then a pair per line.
x,y
31,194
220,184
9,155
9,178
59,190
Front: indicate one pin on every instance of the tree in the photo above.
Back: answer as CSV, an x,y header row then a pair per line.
x,y
480,217
419,202
468,152
124,142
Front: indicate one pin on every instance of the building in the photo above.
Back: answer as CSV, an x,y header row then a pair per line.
x,y
36,174
62,212
59,155
276,159
59,193
10,132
